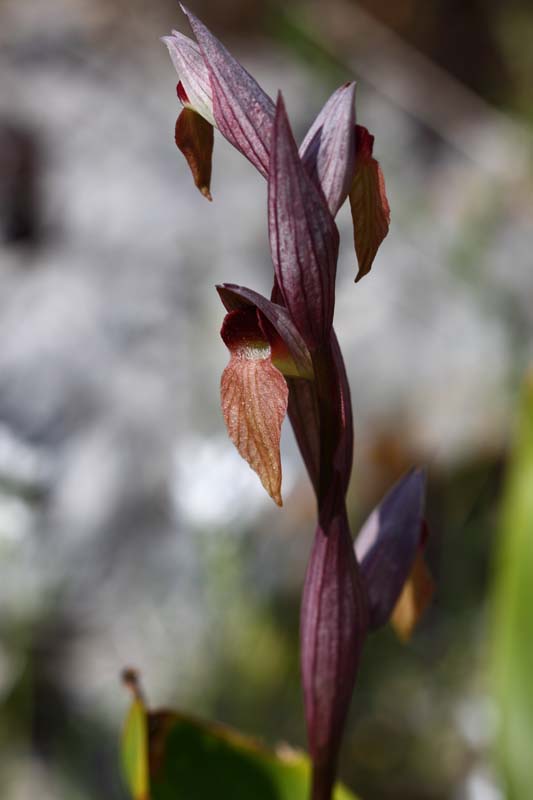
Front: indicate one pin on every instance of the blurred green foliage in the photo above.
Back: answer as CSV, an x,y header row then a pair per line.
x,y
513,600
192,760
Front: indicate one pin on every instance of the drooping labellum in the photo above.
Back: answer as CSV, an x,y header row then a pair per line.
x,y
194,137
368,202
254,397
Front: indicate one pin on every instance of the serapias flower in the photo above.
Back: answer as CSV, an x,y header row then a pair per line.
x,y
337,155
285,358
264,345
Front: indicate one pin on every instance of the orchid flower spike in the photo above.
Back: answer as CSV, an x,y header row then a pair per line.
x,y
285,359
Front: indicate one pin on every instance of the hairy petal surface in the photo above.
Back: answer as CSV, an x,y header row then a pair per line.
x,y
303,238
388,544
193,74
254,398
369,204
288,348
333,629
328,150
194,137
243,112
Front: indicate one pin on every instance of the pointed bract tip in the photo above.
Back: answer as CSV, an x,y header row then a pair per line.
x,y
350,86
416,476
206,193
281,119
420,472
282,126
131,679
280,103
193,19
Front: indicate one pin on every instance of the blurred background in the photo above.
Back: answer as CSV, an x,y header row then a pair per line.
x,y
131,533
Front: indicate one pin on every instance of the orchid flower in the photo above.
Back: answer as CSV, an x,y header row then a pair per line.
x,y
215,90
285,358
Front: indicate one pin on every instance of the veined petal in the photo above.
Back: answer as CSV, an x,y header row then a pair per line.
x,y
388,544
333,629
328,150
304,414
303,410
301,366
194,137
193,74
254,398
303,238
243,112
369,204
344,451
305,421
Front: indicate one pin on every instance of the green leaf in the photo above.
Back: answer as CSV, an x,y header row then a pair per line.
x,y
191,760
513,603
134,750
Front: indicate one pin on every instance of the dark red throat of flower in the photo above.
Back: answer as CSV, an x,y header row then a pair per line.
x,y
182,94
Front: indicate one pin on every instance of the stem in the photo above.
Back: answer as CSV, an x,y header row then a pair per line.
x,y
333,626
329,414
323,780
333,606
